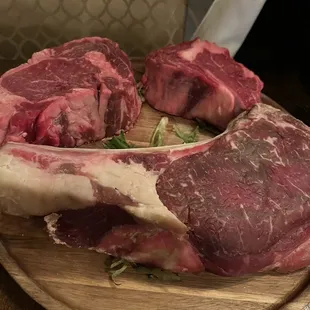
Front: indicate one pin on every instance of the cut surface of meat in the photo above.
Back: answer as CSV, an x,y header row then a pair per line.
x,y
236,204
198,79
68,95
111,230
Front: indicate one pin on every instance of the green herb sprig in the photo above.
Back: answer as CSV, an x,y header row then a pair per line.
x,y
158,135
118,142
187,137
116,266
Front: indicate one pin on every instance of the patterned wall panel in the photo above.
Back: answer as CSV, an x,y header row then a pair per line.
x,y
139,26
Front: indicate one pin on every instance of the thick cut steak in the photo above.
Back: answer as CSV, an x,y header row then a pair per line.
x,y
236,204
198,79
79,92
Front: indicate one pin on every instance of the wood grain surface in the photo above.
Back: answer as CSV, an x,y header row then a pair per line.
x,y
62,278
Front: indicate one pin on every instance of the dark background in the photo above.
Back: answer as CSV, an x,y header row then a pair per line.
x,y
277,50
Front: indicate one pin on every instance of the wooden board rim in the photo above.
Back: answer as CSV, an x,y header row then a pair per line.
x,y
31,287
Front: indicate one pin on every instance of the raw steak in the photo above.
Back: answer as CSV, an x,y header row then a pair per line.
x,y
198,79
79,92
236,204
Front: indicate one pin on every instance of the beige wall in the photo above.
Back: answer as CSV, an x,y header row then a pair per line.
x,y
139,26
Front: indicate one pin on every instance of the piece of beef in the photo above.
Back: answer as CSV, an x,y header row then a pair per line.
x,y
239,203
198,79
78,92
111,230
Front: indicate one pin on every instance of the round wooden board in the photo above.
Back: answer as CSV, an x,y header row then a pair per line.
x,y
62,278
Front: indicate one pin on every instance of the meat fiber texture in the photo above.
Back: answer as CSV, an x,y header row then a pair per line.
x,y
233,205
198,79
75,93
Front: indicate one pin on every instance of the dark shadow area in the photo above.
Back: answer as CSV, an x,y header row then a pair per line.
x,y
12,297
277,50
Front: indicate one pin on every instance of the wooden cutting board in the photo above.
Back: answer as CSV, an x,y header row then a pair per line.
x,y
62,278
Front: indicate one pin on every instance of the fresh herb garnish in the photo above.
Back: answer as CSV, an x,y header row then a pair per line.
x,y
207,127
118,142
157,273
115,267
158,135
113,271
141,91
187,137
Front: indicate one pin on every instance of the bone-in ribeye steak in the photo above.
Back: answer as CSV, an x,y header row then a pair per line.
x,y
198,79
237,204
79,92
